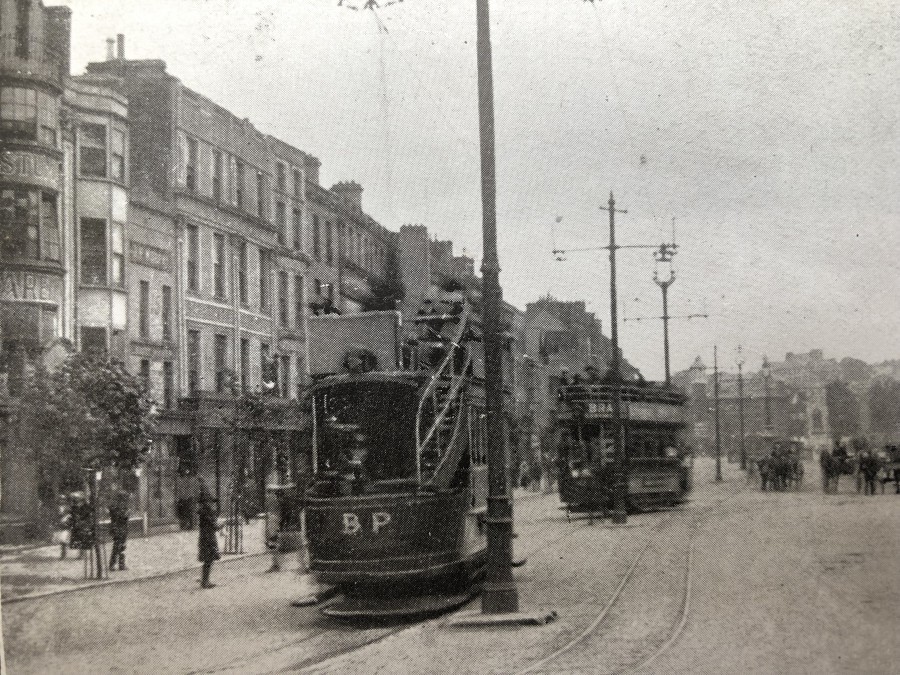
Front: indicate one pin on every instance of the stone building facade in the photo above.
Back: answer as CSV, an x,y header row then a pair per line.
x,y
139,217
36,243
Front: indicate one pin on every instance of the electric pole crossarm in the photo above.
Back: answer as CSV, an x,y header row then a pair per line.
x,y
662,318
602,248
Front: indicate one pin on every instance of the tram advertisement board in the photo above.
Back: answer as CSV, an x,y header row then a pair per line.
x,y
648,411
333,336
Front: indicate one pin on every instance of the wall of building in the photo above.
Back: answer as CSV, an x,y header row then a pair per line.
x,y
32,272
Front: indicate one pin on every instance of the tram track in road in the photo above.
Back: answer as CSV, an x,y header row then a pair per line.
x,y
622,658
330,660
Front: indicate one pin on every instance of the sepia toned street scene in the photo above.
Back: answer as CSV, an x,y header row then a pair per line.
x,y
407,336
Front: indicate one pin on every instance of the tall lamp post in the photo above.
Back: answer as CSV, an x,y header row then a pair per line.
x,y
766,371
743,446
716,414
499,595
664,255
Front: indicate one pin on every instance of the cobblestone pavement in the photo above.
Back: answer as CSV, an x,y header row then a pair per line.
x,y
574,568
790,582
38,571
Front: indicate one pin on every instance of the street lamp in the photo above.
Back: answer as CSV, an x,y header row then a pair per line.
x,y
499,594
740,365
664,256
766,371
716,414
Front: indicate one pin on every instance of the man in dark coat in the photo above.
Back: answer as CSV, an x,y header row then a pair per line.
x,y
869,466
827,464
207,544
765,469
118,528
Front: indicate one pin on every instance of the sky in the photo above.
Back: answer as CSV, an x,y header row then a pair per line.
x,y
767,129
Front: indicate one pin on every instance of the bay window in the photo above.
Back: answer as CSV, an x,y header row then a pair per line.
x,y
92,150
29,225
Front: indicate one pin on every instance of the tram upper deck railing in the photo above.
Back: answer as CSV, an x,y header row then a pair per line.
x,y
649,402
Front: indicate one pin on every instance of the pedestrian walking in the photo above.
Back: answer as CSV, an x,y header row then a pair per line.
x,y
118,528
894,454
535,475
62,530
826,462
207,543
765,466
869,466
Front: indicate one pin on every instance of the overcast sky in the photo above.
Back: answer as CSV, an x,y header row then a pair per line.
x,y
767,128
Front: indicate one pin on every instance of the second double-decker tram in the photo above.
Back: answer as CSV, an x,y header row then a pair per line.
x,y
656,462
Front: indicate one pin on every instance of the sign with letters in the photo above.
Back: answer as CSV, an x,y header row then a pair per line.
x,y
353,525
21,286
32,168
150,256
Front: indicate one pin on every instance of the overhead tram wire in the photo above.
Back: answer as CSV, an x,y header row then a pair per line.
x,y
428,92
642,195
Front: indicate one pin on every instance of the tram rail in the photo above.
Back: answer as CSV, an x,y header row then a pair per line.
x,y
642,662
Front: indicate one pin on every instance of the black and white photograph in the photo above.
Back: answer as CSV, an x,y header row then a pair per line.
x,y
450,337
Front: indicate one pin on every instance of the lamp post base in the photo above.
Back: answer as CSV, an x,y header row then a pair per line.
x,y
618,517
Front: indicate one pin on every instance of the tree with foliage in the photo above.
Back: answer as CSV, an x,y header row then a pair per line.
x,y
843,410
884,404
387,292
88,413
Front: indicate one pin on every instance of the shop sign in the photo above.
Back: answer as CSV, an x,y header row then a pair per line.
x,y
18,286
31,168
150,256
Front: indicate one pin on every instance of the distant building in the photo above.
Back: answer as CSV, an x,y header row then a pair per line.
x,y
563,335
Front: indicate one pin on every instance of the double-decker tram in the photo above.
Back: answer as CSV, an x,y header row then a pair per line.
x,y
395,511
657,464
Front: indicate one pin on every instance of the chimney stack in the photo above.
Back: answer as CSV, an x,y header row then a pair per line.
x,y
110,49
120,47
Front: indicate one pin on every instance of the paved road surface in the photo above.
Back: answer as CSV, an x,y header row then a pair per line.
x,y
781,583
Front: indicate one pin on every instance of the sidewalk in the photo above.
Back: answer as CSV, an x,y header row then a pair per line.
x,y
34,572
30,571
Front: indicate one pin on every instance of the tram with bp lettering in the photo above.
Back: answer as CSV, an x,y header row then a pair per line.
x,y
395,510
658,466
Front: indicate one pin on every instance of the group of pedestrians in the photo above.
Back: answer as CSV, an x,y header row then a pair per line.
x,y
77,523
780,469
870,468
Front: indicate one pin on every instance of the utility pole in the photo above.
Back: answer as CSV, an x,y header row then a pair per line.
x,y
619,512
620,461
740,365
716,414
499,595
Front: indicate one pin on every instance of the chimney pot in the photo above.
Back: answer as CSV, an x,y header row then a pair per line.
x,y
120,46
110,47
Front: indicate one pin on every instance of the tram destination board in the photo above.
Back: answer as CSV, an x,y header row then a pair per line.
x,y
639,411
